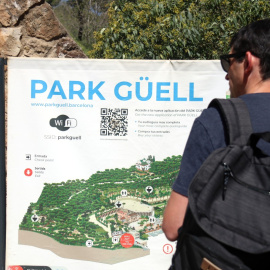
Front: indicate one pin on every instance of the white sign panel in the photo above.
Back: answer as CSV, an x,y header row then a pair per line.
x,y
93,149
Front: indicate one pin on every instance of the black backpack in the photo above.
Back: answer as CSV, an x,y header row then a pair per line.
x,y
227,224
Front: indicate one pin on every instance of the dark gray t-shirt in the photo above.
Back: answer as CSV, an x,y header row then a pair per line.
x,y
207,134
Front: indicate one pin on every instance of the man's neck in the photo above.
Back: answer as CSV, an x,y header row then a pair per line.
x,y
260,87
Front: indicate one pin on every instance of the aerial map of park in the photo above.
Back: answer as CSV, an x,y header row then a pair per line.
x,y
113,211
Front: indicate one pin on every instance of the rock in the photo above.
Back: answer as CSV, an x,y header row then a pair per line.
x,y
67,48
10,43
34,47
41,22
12,10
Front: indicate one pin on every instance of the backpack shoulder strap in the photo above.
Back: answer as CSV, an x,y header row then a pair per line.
x,y
236,117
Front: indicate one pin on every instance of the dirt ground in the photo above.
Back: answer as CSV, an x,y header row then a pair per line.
x,y
80,253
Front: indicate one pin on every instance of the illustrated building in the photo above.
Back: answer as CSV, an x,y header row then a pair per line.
x,y
127,216
143,165
117,233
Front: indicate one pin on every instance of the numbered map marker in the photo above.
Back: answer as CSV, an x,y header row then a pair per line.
x,y
149,189
89,243
152,219
34,218
124,193
118,204
115,240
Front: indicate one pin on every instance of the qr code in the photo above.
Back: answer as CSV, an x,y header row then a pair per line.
x,y
114,122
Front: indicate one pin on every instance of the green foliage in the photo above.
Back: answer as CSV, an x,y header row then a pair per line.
x,y
144,236
168,165
174,29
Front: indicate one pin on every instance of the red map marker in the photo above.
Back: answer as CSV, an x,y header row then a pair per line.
x,y
127,240
28,172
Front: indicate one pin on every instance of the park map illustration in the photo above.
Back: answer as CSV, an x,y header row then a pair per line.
x,y
102,211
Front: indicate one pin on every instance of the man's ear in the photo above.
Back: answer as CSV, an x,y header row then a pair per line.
x,y
248,64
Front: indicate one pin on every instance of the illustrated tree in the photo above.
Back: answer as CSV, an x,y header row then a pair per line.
x,y
29,209
43,220
144,236
24,220
41,207
176,29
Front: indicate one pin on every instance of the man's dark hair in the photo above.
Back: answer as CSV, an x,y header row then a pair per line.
x,y
255,38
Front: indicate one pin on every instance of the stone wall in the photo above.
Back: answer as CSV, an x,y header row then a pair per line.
x,y
29,28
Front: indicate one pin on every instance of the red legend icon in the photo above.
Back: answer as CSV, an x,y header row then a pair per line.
x,y
28,172
167,249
